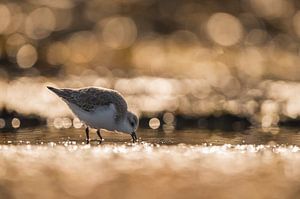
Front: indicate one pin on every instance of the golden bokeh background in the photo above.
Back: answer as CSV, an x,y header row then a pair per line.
x,y
189,57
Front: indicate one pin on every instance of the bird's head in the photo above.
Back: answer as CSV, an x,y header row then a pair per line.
x,y
132,121
131,124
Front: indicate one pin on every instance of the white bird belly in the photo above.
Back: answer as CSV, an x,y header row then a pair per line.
x,y
102,118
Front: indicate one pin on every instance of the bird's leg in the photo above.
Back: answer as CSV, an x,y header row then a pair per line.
x,y
98,133
87,135
134,138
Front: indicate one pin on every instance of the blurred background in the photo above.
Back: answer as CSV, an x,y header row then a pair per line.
x,y
201,63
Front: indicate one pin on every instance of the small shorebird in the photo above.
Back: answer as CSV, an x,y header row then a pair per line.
x,y
100,108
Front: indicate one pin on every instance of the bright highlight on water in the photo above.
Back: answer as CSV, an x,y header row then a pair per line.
x,y
70,170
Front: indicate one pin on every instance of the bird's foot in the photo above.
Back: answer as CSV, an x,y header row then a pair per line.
x,y
100,141
87,141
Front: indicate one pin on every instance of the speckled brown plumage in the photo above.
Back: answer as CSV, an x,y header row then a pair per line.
x,y
89,99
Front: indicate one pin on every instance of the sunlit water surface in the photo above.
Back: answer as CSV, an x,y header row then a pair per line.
x,y
53,163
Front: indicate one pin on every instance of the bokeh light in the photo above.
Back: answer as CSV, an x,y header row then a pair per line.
x,y
27,56
2,123
58,53
119,32
251,62
15,123
13,44
224,29
77,123
272,8
154,123
40,23
58,123
83,47
168,118
5,17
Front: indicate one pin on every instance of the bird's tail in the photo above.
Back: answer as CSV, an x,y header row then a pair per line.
x,y
58,92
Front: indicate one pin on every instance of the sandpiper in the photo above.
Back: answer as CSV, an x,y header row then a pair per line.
x,y
100,108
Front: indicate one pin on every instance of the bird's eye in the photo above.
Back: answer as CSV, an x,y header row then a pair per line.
x,y
132,124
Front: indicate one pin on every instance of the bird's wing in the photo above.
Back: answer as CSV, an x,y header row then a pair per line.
x,y
89,99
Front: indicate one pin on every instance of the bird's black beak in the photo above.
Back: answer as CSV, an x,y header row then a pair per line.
x,y
134,138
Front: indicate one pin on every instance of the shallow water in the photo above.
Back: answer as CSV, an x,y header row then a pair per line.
x,y
55,163
271,136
